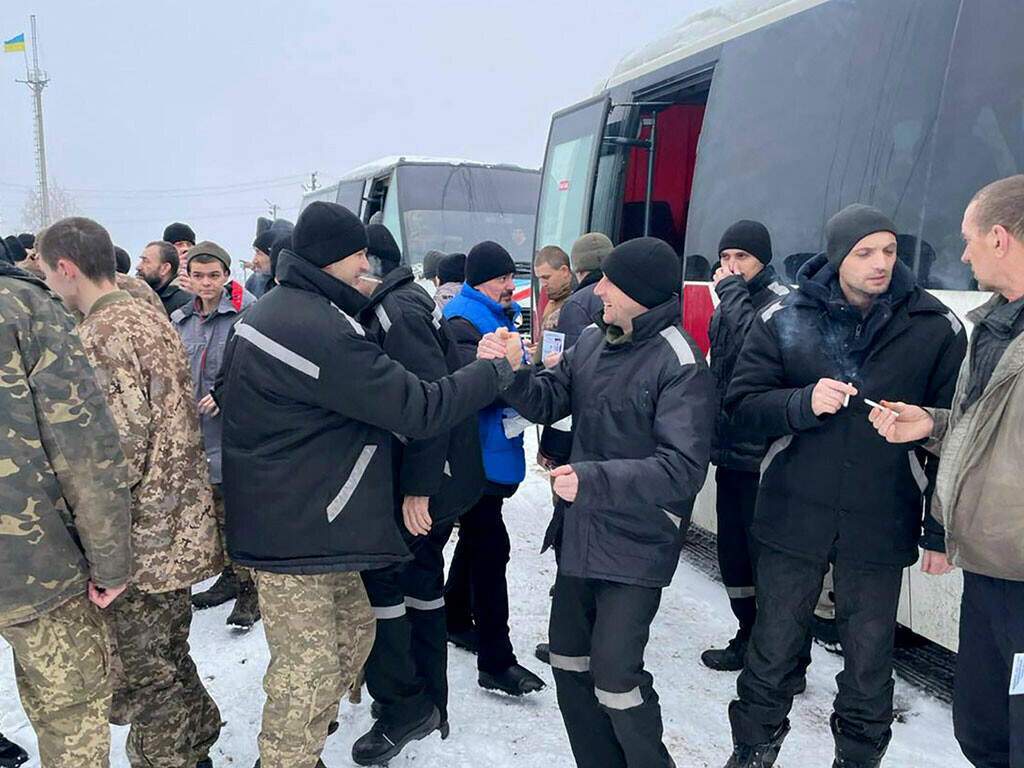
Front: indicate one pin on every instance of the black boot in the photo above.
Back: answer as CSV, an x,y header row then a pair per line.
x,y
467,641
543,652
206,762
730,658
319,764
11,755
758,755
247,608
224,589
845,761
385,740
826,634
515,681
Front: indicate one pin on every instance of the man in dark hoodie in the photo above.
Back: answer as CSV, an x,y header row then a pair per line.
x,y
640,395
435,481
311,405
746,283
833,491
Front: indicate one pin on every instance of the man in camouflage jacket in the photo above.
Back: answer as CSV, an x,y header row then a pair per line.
x,y
141,367
64,523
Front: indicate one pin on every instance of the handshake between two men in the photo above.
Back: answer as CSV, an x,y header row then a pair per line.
x,y
509,344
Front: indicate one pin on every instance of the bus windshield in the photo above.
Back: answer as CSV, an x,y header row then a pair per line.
x,y
451,208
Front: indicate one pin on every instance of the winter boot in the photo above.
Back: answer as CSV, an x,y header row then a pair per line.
x,y
247,608
845,761
728,659
826,634
758,755
467,641
543,652
515,681
11,755
206,762
385,740
319,764
224,589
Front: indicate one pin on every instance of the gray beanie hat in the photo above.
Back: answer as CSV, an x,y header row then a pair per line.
x,y
849,227
589,251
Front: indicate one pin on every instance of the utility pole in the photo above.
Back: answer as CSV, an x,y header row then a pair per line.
x,y
37,80
313,185
272,207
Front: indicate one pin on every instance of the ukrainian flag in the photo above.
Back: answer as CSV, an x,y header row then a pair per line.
x,y
15,44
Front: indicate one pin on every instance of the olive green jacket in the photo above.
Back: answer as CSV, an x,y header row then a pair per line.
x,y
979,494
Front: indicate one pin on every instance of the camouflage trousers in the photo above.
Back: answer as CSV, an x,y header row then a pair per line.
x,y
62,665
157,689
242,574
319,629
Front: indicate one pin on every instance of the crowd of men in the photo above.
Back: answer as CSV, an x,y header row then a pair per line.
x,y
313,438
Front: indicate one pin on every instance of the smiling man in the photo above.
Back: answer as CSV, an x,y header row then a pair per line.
x,y
639,392
831,490
203,325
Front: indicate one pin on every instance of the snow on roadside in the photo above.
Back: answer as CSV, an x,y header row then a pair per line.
x,y
492,730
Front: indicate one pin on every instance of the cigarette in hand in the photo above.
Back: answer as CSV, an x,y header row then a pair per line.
x,y
846,400
873,404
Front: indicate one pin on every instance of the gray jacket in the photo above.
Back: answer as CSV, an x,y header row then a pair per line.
x,y
204,339
980,485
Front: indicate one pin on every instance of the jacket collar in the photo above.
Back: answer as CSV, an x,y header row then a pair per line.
x,y
649,324
392,280
591,278
472,294
298,273
107,299
232,301
763,280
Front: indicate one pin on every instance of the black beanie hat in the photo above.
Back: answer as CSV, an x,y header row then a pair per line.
x,y
452,268
281,242
177,232
27,239
486,261
645,269
326,233
122,261
264,240
430,263
851,225
15,249
382,245
749,236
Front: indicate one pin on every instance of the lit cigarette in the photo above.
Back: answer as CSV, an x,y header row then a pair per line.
x,y
873,404
846,400
369,279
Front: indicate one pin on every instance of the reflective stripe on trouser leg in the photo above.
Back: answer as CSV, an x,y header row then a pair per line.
x,y
739,593
570,663
388,611
424,605
620,701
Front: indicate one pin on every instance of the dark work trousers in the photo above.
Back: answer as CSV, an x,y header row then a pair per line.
x,y
406,672
989,724
598,633
866,601
735,501
478,572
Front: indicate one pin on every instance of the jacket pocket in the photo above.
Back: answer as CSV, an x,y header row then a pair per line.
x,y
348,488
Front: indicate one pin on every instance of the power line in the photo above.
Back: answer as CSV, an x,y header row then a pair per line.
x,y
210,191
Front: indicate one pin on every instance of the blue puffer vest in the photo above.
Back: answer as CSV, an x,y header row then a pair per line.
x,y
504,459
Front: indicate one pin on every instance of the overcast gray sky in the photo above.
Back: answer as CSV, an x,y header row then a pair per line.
x,y
199,95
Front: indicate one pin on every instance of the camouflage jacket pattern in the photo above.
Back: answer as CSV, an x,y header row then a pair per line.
x,y
64,499
139,289
141,366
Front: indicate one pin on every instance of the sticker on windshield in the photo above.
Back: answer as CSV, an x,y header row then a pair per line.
x,y
563,185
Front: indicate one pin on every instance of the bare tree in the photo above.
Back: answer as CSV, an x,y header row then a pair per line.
x,y
62,205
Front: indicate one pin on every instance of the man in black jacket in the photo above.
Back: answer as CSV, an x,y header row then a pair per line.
x,y
831,489
435,480
746,283
158,266
310,405
640,394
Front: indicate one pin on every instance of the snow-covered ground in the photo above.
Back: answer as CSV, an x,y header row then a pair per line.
x,y
490,730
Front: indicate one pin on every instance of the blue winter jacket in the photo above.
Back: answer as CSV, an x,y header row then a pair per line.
x,y
504,459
